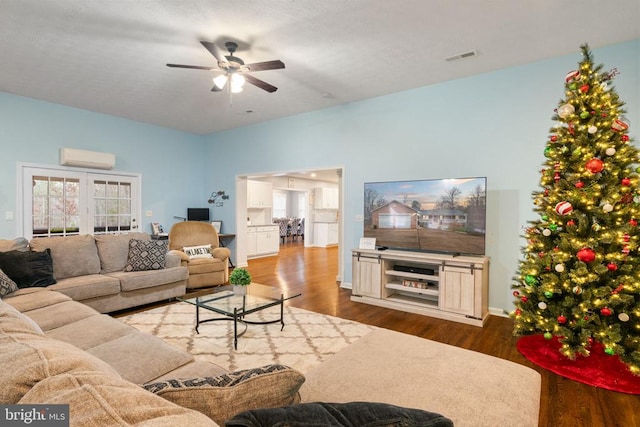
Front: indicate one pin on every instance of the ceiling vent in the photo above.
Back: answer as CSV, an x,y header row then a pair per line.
x,y
464,55
86,159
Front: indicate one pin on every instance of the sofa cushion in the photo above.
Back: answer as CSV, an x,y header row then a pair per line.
x,y
56,315
348,414
22,322
140,357
86,287
28,268
28,299
146,255
98,399
83,334
28,358
17,244
7,286
130,281
72,255
113,250
223,396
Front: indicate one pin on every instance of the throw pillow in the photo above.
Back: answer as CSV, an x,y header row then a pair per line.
x,y
29,268
320,414
225,395
146,255
7,285
203,251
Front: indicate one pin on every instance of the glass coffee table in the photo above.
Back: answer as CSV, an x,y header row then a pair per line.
x,y
236,307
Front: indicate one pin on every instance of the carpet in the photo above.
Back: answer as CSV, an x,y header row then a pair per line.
x,y
307,339
598,370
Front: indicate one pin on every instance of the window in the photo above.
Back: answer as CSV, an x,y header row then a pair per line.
x,y
279,204
63,202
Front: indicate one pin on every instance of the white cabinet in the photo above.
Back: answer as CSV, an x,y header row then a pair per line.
x,y
438,285
259,194
326,198
263,240
325,233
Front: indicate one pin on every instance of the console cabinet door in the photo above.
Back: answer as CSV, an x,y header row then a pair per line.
x,y
367,275
457,290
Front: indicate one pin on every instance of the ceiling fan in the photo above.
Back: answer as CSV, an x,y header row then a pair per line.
x,y
233,69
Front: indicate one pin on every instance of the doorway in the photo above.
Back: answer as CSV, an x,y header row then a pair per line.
x,y
303,185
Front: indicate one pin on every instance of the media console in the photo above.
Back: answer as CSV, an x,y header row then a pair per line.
x,y
450,287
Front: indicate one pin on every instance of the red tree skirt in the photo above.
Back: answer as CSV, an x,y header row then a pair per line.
x,y
599,369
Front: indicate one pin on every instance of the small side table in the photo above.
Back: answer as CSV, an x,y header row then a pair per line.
x,y
221,238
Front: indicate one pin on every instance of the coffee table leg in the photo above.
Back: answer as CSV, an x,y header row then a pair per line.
x,y
197,318
235,328
282,312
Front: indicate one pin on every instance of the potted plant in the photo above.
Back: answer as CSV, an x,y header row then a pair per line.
x,y
240,279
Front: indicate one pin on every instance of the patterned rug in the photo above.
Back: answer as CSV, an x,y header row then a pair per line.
x,y
307,339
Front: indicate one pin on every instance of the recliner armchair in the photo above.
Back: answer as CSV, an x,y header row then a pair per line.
x,y
203,271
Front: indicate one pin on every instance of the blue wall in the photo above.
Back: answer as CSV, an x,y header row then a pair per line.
x,y
493,125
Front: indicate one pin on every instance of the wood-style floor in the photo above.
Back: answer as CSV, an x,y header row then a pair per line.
x,y
313,271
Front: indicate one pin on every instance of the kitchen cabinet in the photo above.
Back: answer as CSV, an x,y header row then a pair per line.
x,y
264,240
325,233
326,198
259,194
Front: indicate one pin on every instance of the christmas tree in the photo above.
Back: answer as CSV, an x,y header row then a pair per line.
x,y
579,277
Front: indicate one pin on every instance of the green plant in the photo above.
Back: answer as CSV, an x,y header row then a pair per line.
x,y
240,277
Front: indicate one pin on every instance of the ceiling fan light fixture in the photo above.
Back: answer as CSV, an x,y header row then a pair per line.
x,y
220,80
237,82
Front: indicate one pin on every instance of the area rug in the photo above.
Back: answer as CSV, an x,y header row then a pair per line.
x,y
598,370
307,339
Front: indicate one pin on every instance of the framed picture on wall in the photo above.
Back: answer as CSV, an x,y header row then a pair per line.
x,y
217,225
156,228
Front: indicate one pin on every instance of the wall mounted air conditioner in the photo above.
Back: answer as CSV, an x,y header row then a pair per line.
x,y
86,159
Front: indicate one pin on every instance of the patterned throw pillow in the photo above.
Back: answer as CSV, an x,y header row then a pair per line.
x,y
146,255
203,251
223,396
7,285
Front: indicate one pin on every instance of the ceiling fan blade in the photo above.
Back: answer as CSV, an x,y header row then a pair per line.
x,y
259,83
195,67
213,49
215,88
267,65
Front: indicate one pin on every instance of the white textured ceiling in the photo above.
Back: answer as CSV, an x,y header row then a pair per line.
x,y
109,56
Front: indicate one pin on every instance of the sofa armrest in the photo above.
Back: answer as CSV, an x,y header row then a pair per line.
x,y
173,259
221,253
180,254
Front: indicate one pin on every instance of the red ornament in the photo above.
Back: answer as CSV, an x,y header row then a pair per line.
x,y
633,222
612,266
625,138
626,237
554,138
524,299
619,125
595,165
626,250
606,311
518,312
626,182
586,255
562,319
516,293
564,208
584,88
572,75
579,184
556,176
571,223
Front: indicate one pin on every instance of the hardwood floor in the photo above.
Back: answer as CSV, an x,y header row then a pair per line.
x,y
312,271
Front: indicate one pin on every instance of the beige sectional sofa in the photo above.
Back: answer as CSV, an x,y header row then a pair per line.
x,y
91,269
54,350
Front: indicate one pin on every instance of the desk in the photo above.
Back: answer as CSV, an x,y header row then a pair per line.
x,y
221,238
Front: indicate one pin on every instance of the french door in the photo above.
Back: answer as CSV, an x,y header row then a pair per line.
x,y
64,202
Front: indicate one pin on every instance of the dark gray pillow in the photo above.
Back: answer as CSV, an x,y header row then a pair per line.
x,y
28,269
146,255
320,414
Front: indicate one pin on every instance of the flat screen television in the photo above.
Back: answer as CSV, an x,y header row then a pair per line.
x,y
198,214
431,215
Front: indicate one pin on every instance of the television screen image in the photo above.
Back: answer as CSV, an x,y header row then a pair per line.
x,y
432,215
198,214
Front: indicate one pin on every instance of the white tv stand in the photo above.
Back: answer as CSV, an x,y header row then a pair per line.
x,y
438,285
